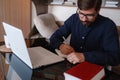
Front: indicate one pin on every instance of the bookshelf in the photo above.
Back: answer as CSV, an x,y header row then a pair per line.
x,y
105,3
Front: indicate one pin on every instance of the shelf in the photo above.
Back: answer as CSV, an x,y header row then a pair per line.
x,y
62,5
103,4
115,4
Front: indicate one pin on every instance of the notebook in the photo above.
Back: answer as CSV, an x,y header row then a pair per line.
x,y
34,57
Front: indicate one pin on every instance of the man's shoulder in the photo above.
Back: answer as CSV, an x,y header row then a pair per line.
x,y
107,20
75,15
73,18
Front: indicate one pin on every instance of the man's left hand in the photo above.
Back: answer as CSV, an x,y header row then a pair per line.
x,y
75,57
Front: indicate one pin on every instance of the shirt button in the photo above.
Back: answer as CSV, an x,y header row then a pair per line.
x,y
81,47
83,37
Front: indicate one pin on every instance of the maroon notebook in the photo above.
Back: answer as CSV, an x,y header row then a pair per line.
x,y
85,71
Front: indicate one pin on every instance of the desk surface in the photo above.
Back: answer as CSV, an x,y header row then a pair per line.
x,y
51,72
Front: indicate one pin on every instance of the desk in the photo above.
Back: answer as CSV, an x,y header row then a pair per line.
x,y
18,70
3,51
21,71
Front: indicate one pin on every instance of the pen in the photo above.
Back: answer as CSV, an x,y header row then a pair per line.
x,y
65,40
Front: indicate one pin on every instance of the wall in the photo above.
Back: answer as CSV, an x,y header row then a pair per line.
x,y
61,13
41,6
17,13
113,14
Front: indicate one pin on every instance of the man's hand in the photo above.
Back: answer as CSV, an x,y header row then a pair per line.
x,y
75,57
66,49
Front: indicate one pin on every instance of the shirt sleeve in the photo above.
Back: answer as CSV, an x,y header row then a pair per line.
x,y
64,31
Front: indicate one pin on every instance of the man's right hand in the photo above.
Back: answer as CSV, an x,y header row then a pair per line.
x,y
66,49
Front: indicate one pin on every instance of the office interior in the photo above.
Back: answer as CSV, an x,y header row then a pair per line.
x,y
21,14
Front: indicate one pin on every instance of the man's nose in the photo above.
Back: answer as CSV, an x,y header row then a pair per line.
x,y
84,18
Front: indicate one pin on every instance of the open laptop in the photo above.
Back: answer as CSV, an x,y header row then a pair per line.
x,y
34,57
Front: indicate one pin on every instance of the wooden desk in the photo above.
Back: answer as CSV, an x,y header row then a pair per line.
x,y
3,51
51,72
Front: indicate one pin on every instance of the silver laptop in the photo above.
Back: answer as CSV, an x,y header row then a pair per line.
x,y
34,57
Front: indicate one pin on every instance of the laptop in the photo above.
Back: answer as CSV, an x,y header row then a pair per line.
x,y
34,57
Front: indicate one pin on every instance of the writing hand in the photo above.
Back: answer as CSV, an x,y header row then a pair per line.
x,y
66,49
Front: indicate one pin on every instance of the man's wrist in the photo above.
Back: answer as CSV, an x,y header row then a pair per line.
x,y
61,46
82,59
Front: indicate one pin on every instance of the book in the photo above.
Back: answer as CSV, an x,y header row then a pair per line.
x,y
68,3
85,71
112,2
111,5
57,2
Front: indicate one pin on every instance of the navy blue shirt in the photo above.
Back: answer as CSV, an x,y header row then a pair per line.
x,y
98,42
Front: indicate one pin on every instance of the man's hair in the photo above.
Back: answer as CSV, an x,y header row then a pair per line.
x,y
88,4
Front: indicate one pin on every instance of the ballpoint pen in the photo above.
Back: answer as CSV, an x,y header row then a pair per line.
x,y
65,40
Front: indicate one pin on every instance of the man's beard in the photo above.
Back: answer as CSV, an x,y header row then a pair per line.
x,y
86,23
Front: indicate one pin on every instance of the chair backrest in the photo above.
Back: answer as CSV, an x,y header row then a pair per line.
x,y
34,13
45,25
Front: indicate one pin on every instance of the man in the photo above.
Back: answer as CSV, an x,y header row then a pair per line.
x,y
94,38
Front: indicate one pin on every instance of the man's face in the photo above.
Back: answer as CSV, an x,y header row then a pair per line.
x,y
87,16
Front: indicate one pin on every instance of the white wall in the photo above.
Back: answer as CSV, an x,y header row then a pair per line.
x,y
113,14
61,13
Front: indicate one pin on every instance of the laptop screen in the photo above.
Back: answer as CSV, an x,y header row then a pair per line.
x,y
17,43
